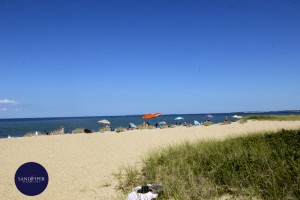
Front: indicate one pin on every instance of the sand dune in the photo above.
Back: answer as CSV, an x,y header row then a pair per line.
x,y
81,166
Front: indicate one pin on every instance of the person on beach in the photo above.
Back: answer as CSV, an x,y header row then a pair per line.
x,y
62,129
108,127
130,127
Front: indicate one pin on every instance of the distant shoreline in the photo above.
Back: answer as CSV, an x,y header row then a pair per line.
x,y
20,127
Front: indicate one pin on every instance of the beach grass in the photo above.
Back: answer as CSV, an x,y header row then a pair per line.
x,y
141,127
78,130
120,129
263,165
29,134
104,129
207,123
225,122
274,118
56,132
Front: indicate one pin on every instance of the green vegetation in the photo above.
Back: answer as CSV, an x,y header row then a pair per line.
x,y
78,130
225,122
207,123
29,134
140,127
274,118
257,166
56,132
120,129
104,129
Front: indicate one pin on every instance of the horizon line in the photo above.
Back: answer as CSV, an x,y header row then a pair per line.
x,y
245,112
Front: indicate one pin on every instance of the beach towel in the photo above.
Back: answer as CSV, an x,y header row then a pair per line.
x,y
141,193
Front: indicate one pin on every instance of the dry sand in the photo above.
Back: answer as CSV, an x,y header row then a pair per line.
x,y
81,166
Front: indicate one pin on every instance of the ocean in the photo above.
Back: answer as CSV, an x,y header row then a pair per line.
x,y
18,127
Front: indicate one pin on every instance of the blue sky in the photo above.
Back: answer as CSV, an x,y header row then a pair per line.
x,y
93,58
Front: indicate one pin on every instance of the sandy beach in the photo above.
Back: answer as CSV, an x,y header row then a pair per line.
x,y
81,166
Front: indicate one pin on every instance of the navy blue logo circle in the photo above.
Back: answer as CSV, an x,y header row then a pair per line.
x,y
31,178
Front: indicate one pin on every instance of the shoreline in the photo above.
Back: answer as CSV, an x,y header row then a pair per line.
x,y
81,166
20,127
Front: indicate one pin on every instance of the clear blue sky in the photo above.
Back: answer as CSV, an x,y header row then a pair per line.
x,y
88,57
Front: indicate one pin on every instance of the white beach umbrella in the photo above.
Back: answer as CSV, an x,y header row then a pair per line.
x,y
104,121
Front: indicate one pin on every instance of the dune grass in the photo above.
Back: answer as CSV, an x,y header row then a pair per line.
x,y
120,129
78,130
274,118
56,132
104,129
141,127
208,123
225,122
29,134
257,166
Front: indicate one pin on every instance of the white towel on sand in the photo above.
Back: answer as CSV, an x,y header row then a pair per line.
x,y
139,196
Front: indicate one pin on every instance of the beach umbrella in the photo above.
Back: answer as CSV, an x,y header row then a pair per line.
x,y
132,125
162,123
158,114
104,121
237,117
209,116
196,123
149,115
179,118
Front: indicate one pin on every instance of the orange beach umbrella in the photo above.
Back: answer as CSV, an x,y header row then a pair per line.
x,y
149,115
157,114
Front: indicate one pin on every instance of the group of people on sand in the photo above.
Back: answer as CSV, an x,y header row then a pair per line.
x,y
145,124
157,125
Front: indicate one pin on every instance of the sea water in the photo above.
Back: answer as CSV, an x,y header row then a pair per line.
x,y
18,127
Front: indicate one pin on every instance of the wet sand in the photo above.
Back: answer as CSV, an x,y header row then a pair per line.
x,y
81,166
